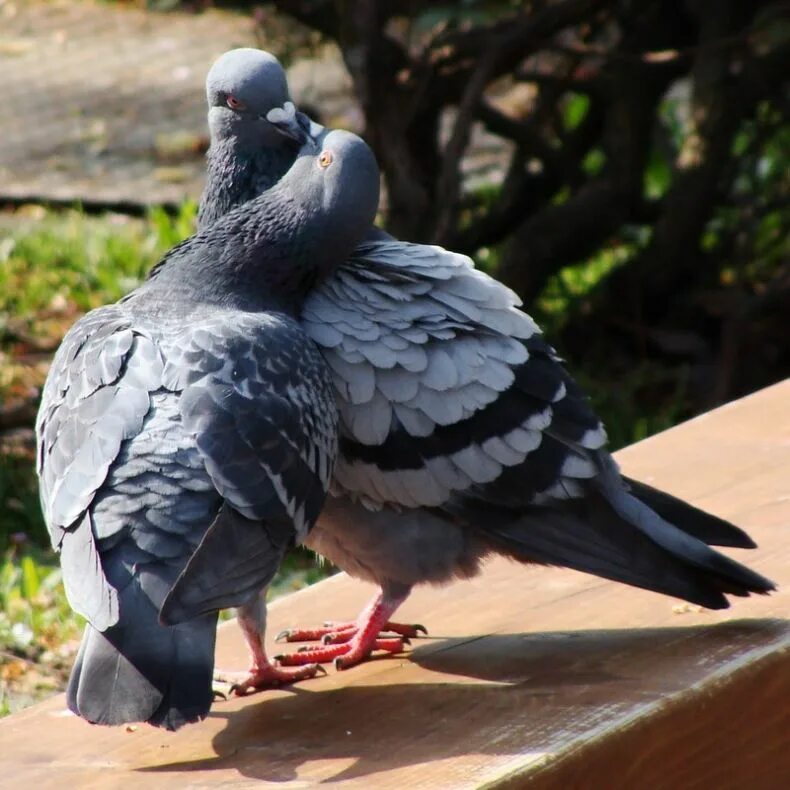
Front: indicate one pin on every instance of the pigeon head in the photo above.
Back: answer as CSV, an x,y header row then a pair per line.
x,y
335,182
271,250
345,173
242,86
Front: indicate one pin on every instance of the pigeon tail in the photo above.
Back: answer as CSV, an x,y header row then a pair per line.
x,y
719,572
139,670
706,527
612,534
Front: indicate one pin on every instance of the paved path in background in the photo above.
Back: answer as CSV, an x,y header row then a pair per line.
x,y
105,103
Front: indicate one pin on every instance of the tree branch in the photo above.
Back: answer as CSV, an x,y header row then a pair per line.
x,y
321,15
449,181
719,107
454,55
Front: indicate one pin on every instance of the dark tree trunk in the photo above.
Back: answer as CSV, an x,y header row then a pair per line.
x,y
553,209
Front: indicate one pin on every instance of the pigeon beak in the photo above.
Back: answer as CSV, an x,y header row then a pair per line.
x,y
290,123
297,135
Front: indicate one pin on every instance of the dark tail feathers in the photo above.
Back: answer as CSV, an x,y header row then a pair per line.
x,y
709,529
611,533
139,670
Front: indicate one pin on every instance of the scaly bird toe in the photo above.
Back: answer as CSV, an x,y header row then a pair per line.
x,y
337,632
344,654
267,677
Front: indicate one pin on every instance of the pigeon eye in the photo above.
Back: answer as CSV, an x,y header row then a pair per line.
x,y
235,104
325,159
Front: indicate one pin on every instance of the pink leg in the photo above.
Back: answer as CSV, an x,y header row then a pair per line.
x,y
352,646
262,674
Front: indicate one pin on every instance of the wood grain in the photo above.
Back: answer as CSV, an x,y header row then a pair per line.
x,y
532,677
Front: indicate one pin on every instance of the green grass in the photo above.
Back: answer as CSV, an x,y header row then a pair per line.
x,y
86,261
567,289
38,630
34,613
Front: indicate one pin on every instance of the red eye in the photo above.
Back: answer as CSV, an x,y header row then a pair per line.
x,y
235,104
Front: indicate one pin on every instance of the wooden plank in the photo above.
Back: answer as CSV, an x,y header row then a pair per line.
x,y
531,677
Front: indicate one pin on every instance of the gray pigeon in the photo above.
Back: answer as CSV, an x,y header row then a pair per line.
x,y
187,434
461,433
244,135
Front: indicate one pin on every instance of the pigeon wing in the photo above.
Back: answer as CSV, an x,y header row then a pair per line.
x,y
443,384
262,411
97,395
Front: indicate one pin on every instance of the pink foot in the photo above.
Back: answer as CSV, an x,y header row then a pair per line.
x,y
267,676
315,634
335,633
345,654
263,673
351,643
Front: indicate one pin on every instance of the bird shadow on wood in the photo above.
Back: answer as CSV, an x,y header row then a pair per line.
x,y
500,694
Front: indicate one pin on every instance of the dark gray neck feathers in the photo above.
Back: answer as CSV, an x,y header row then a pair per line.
x,y
265,254
236,175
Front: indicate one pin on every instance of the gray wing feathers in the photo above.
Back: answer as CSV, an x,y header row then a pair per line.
x,y
87,589
234,561
97,395
256,396
88,409
262,408
137,438
417,341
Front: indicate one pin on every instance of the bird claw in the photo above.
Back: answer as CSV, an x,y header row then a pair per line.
x,y
338,637
406,631
266,677
353,652
334,632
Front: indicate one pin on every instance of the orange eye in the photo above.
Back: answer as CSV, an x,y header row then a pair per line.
x,y
235,104
325,159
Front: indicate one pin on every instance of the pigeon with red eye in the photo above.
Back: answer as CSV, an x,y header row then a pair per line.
x,y
186,438
463,435
248,153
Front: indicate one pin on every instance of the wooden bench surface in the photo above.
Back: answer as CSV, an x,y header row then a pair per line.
x,y
531,677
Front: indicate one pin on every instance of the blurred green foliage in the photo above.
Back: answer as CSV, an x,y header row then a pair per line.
x,y
85,260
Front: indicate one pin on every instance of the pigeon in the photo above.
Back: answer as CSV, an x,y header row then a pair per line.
x,y
462,435
187,434
251,83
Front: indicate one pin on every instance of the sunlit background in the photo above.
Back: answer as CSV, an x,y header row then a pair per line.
x,y
623,166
